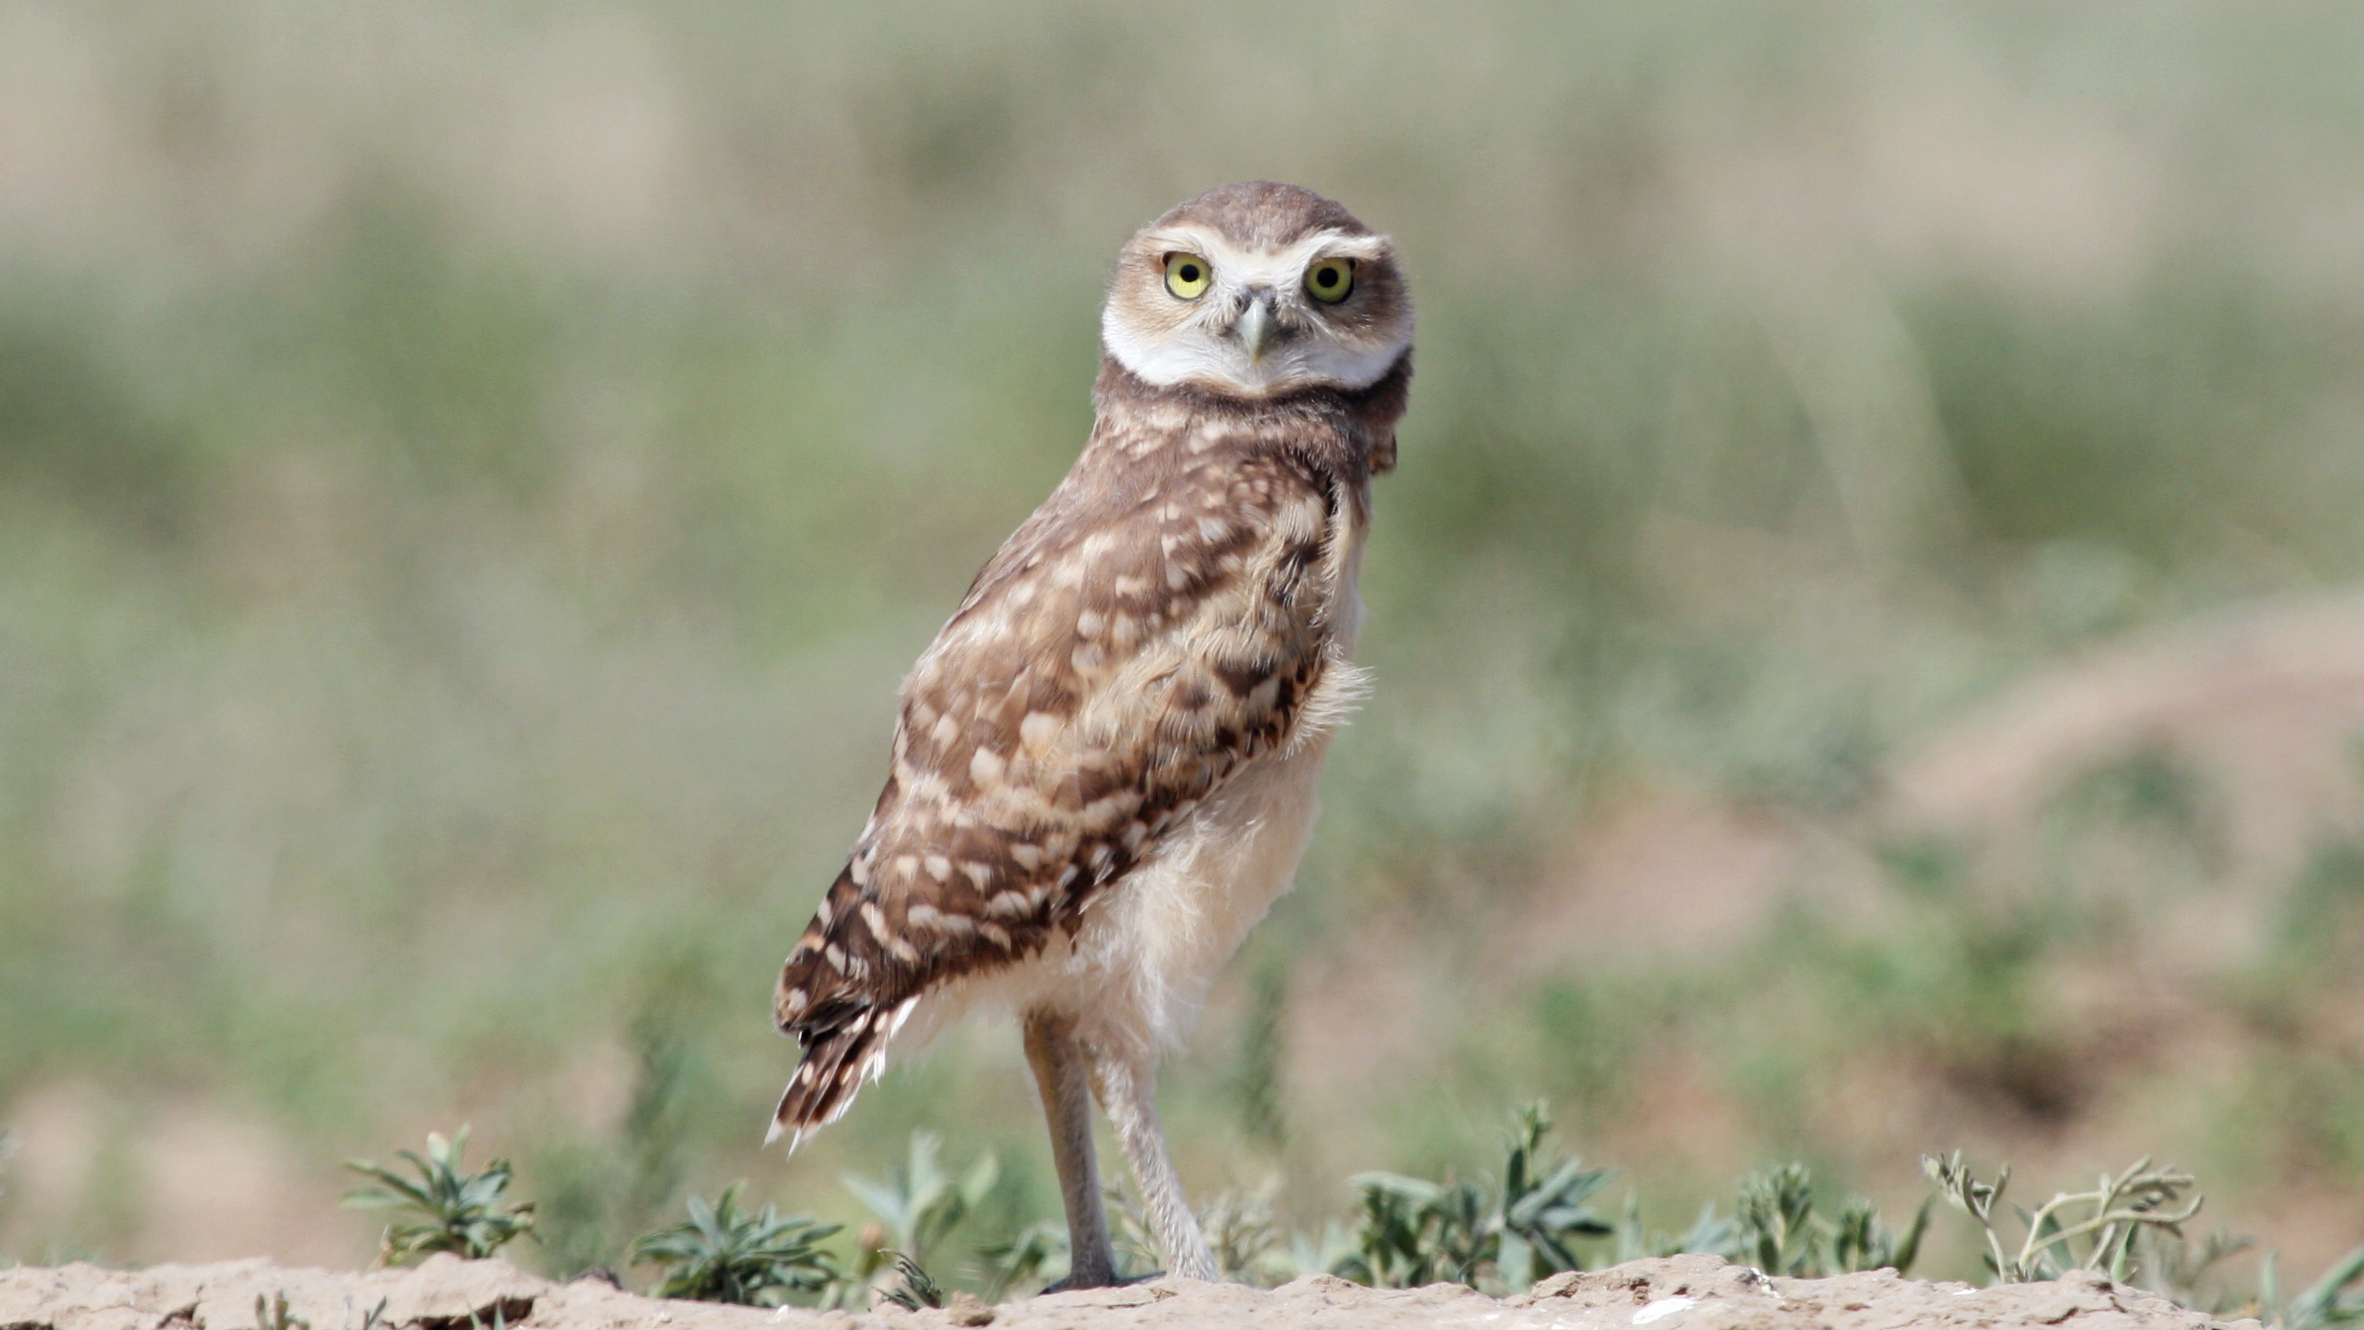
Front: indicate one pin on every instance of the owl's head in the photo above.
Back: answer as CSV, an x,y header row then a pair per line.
x,y
1258,289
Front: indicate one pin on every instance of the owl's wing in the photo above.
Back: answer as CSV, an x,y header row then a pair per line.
x,y
1158,623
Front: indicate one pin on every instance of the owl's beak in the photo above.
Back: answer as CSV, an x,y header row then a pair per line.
x,y
1255,327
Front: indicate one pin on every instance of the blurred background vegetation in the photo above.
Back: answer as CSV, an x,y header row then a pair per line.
x,y
1869,620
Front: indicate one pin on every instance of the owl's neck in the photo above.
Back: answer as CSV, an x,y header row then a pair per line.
x,y
1370,412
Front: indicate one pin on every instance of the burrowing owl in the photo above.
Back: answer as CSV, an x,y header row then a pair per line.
x,y
1104,770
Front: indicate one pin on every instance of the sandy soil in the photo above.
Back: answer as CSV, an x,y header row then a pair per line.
x,y
1674,1293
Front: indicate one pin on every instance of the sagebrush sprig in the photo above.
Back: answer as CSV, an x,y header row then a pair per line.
x,y
2058,1238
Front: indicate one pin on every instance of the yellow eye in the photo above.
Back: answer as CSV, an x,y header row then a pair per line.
x,y
1330,280
1187,276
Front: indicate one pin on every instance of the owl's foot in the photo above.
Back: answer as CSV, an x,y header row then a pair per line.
x,y
1070,1285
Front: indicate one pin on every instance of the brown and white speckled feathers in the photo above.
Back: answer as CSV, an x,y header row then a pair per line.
x,y
1169,615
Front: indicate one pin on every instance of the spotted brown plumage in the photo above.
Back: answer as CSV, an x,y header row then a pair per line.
x,y
1102,768
1157,623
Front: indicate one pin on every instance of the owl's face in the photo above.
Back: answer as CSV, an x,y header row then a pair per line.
x,y
1258,289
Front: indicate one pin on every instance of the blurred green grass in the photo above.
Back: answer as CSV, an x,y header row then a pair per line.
x,y
471,479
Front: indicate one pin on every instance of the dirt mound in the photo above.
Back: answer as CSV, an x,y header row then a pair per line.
x,y
1674,1293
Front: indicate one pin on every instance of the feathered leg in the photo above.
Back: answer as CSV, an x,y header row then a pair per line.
x,y
1129,1095
1061,1074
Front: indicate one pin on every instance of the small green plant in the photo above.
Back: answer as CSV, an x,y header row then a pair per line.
x,y
1710,1232
918,1205
1316,1251
2089,1230
1249,1247
467,1214
1776,1230
1248,1243
1024,1257
2184,1272
273,1315
914,1287
2337,1299
1413,1231
724,1254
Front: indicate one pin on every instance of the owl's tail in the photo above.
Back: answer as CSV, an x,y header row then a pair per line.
x,y
841,1050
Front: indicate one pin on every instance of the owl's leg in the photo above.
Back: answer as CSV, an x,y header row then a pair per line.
x,y
1064,1078
1128,1091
